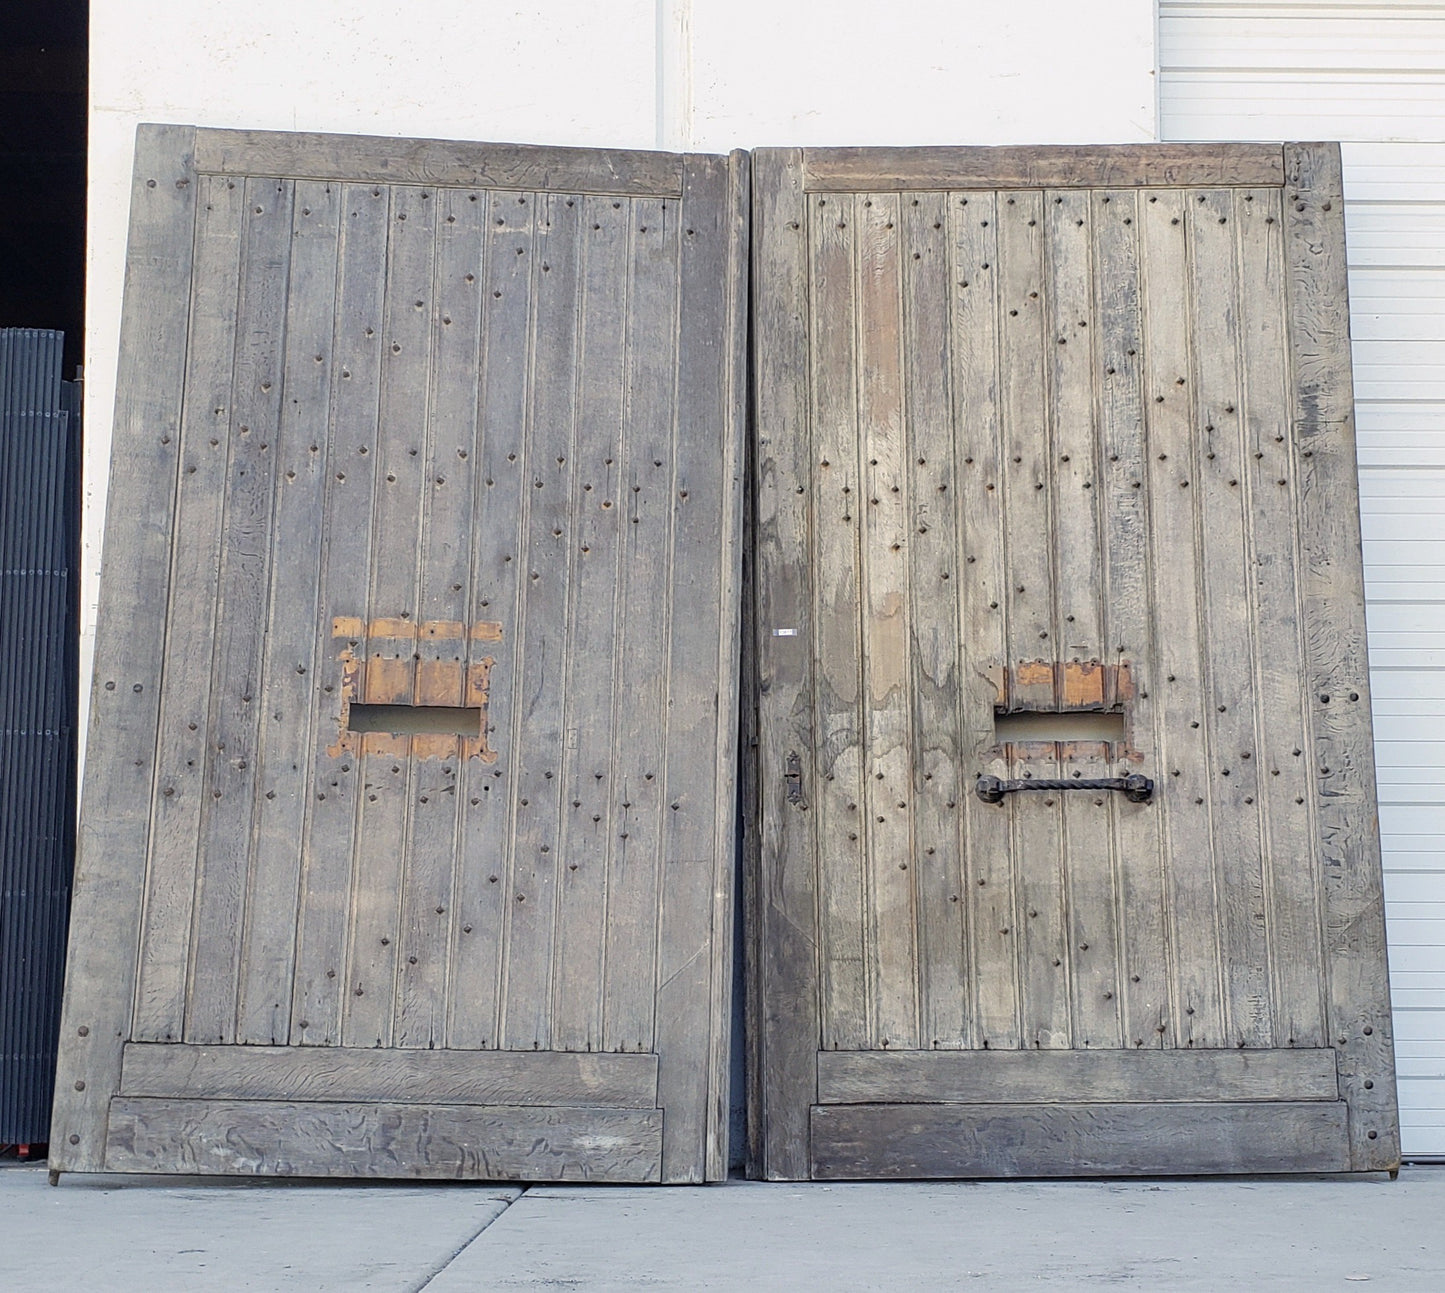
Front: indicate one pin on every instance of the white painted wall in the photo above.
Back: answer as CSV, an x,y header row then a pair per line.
x,y
708,74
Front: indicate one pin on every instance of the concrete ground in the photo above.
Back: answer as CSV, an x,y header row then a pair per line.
x,y
157,1235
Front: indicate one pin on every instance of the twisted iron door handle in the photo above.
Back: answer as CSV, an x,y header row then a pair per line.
x,y
1138,789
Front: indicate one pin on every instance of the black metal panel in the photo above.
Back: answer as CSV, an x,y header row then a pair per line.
x,y
39,552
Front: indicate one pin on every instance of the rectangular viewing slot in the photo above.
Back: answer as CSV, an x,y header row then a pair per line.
x,y
415,720
1076,725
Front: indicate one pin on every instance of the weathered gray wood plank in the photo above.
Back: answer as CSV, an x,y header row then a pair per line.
x,y
860,170
933,546
1071,332
548,560
420,1142
839,506
288,679
182,742
409,1076
227,835
890,919
908,1141
1175,675
392,781
125,688
631,794
697,835
1128,636
1286,783
599,504
481,899
1337,663
386,160
1039,931
428,917
1219,490
344,450
1075,1076
786,1030
983,628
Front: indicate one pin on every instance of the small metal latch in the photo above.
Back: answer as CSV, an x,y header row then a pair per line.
x,y
793,776
1136,788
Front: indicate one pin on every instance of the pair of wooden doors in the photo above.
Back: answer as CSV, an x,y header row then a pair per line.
x,y
407,838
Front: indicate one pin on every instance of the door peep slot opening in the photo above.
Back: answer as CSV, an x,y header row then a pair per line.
x,y
1033,726
415,720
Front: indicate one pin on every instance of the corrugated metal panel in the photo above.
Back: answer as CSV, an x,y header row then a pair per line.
x,y
38,537
1372,75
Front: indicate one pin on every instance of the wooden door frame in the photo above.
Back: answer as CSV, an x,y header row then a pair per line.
x,y
120,764
781,897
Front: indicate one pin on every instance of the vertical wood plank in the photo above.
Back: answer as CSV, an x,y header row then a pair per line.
x,y
600,503
1338,666
176,809
1144,952
695,847
399,489
1071,330
125,693
543,634
1217,481
1285,781
344,450
288,684
983,610
428,916
890,919
501,487
935,756
839,506
787,1033
1040,932
1184,808
633,786
227,837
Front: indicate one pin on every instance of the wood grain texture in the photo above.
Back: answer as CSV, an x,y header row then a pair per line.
x,y
865,170
1075,1077
1096,439
1341,747
785,1032
405,1076
428,433
379,1140
382,159
129,652
904,1141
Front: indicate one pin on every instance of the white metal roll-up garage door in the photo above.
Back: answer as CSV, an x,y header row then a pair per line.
x,y
1373,77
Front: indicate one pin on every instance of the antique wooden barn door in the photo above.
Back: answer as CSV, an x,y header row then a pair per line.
x,y
1055,484
407,817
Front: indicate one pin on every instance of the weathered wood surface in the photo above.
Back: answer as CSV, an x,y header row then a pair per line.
x,y
865,170
1075,1076
380,1140
1110,419
382,159
902,1141
407,1076
125,693
784,1036
443,445
1341,747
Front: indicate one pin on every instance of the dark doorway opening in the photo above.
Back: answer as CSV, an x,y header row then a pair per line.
x,y
43,83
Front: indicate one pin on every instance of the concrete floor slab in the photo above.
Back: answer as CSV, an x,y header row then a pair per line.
x,y
127,1234
995,1236
158,1235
